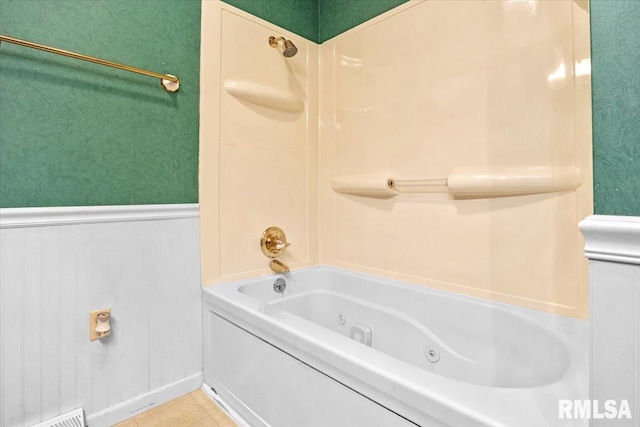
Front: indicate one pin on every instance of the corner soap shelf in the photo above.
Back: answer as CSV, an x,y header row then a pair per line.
x,y
264,96
467,185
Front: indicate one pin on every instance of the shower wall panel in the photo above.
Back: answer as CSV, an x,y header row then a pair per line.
x,y
258,160
436,87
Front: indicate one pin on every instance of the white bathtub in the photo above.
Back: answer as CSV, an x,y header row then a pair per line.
x,y
435,358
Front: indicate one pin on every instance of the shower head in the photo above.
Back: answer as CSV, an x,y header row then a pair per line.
x,y
289,49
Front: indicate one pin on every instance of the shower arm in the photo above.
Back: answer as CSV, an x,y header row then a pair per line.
x,y
273,41
169,82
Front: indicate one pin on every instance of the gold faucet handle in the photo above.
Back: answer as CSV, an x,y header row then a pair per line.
x,y
273,242
281,245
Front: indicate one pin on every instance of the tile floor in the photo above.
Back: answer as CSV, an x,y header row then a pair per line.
x,y
191,410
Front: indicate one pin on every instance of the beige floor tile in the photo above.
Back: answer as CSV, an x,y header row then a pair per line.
x,y
182,411
205,422
204,401
127,423
223,420
212,409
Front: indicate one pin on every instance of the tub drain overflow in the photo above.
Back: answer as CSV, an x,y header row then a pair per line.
x,y
279,285
433,355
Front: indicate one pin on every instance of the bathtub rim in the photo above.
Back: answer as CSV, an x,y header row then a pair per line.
x,y
390,387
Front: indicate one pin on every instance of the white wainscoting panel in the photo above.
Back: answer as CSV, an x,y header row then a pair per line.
x,y
613,247
143,262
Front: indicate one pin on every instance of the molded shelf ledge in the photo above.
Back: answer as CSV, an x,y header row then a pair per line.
x,y
515,182
466,185
366,186
264,96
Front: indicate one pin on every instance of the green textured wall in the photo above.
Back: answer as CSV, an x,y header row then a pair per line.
x,y
75,133
297,16
316,20
338,16
615,46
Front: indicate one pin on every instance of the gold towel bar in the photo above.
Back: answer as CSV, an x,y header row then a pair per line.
x,y
169,82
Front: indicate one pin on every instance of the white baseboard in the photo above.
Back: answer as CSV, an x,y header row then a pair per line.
x,y
225,407
224,400
139,404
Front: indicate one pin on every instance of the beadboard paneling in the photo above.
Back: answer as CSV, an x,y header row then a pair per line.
x,y
51,277
614,302
613,247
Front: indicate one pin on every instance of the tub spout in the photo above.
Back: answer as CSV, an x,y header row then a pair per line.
x,y
279,266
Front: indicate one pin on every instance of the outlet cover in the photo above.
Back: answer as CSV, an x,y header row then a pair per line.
x,y
93,323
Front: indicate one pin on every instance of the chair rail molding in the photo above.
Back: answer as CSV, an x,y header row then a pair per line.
x,y
612,238
68,215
